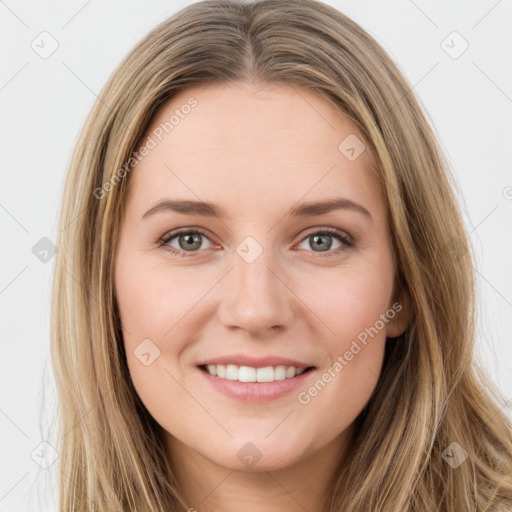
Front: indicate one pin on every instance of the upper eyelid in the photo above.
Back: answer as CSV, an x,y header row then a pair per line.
x,y
173,234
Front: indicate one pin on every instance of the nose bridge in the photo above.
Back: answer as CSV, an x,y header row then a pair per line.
x,y
256,275
256,297
254,280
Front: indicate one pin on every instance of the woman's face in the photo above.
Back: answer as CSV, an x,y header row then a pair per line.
x,y
262,288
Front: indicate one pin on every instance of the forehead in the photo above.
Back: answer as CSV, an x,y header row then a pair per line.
x,y
254,142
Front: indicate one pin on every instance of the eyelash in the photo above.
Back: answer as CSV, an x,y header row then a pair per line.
x,y
347,241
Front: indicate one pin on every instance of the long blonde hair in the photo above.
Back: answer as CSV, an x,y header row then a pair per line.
x,y
431,392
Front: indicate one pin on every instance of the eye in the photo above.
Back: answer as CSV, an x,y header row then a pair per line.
x,y
189,241
321,240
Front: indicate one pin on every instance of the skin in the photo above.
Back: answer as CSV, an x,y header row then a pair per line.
x,y
256,151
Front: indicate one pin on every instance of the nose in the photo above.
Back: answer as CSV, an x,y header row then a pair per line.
x,y
256,297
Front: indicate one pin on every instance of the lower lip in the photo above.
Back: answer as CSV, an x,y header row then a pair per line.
x,y
256,391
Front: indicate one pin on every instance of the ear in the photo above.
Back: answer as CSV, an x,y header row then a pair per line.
x,y
401,305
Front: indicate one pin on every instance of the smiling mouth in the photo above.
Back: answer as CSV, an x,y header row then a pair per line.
x,y
250,374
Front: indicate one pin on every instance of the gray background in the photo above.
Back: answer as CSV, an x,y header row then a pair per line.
x,y
44,102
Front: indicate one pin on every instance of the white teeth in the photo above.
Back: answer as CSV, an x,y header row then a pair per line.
x,y
249,374
280,373
232,372
266,374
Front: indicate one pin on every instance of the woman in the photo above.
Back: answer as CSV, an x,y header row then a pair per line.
x,y
251,371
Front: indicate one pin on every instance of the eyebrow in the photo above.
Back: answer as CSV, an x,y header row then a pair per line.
x,y
308,209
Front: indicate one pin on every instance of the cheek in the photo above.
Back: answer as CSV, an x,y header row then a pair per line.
x,y
159,308
353,310
151,307
152,298
350,304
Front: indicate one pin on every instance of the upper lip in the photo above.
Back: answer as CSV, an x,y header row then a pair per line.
x,y
254,362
